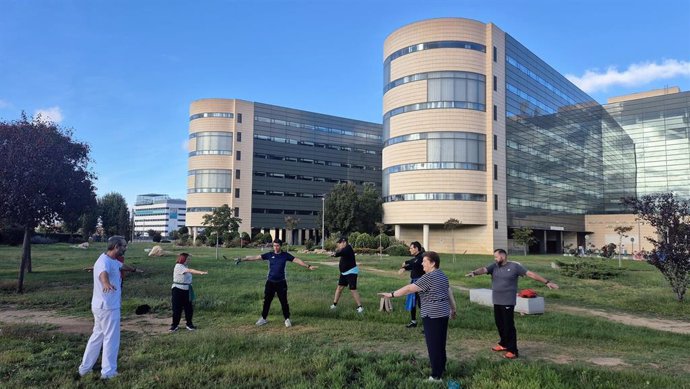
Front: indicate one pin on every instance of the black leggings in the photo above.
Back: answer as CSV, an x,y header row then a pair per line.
x,y
270,290
180,300
505,323
436,333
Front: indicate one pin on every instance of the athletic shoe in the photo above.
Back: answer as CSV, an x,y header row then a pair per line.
x,y
411,324
109,377
288,323
191,327
173,328
333,306
498,347
509,355
360,309
434,379
261,321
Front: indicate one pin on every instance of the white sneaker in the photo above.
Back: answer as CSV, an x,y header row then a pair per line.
x,y
333,306
288,323
360,310
261,321
432,379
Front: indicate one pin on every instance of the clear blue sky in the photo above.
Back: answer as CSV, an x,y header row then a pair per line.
x,y
122,73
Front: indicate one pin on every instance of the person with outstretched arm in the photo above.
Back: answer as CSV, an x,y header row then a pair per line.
x,y
504,284
348,274
414,266
183,293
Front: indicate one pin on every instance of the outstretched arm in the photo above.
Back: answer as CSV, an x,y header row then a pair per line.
x,y
453,306
539,278
249,258
405,290
303,264
192,271
477,272
131,269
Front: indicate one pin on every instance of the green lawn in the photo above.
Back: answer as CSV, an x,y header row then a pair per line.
x,y
341,348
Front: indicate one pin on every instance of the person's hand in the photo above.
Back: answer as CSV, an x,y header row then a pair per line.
x,y
551,285
88,269
109,288
453,314
312,267
401,271
204,272
385,294
470,274
137,270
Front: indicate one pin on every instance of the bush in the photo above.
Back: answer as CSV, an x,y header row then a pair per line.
x,y
183,230
330,243
608,251
366,241
12,236
309,244
365,250
384,239
183,240
262,238
157,237
592,270
38,239
397,250
352,238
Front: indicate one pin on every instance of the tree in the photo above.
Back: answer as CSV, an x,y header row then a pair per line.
x,y
451,224
114,214
44,176
671,254
221,221
369,209
622,232
524,236
89,221
290,224
381,227
341,207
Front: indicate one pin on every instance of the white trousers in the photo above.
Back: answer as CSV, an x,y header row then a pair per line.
x,y
106,335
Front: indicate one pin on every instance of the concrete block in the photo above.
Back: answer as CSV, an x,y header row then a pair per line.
x,y
525,306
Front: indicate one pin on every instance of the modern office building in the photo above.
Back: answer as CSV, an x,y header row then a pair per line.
x,y
269,163
158,212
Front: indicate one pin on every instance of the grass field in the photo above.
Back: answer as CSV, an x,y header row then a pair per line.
x,y
326,349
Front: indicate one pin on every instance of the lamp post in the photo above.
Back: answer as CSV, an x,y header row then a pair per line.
x,y
216,233
323,222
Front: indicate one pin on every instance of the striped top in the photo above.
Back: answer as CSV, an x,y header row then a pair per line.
x,y
434,294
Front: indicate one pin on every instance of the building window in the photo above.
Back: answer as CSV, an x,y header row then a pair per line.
x,y
495,172
212,142
237,174
495,142
496,224
496,202
456,150
237,212
239,154
495,117
495,54
211,181
495,83
237,193
239,118
464,89
239,137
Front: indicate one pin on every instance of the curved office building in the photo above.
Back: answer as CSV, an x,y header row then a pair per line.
x,y
444,139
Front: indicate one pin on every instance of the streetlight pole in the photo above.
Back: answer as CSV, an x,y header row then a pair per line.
x,y
323,222
216,244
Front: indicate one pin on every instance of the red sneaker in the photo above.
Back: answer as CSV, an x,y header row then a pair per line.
x,y
498,347
509,355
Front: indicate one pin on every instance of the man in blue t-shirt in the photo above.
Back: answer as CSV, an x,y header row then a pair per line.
x,y
504,283
276,282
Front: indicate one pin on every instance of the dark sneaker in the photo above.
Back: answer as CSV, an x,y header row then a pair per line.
x,y
173,328
191,327
411,324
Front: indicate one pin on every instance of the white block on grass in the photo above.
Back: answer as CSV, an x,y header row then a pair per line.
x,y
531,306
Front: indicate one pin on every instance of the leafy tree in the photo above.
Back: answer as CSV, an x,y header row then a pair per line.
x,y
524,236
183,230
221,221
451,224
341,208
114,214
669,215
44,175
622,232
88,221
369,209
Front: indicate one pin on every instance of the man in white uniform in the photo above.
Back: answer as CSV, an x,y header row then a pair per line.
x,y
105,305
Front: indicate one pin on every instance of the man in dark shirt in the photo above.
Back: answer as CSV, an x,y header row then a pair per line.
x,y
276,281
348,274
504,283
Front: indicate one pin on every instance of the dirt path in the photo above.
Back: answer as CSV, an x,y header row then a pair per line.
x,y
675,326
144,324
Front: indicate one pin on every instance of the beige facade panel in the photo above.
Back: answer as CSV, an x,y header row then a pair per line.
x,y
246,165
210,162
211,124
435,60
643,95
601,228
411,93
438,120
434,30
463,240
444,181
404,153
434,212
211,105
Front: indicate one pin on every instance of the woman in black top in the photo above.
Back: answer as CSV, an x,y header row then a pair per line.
x,y
414,266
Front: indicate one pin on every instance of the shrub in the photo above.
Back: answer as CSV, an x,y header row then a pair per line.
x,y
608,251
384,239
183,230
592,270
38,239
183,240
352,238
309,244
365,250
157,237
397,250
330,243
366,241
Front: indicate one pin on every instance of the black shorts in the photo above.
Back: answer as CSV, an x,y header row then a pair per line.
x,y
350,280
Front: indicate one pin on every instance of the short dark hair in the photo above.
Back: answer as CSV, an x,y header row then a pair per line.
x,y
276,240
433,257
342,239
500,251
115,241
418,246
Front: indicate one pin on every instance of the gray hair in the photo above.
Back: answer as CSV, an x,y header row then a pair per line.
x,y
115,241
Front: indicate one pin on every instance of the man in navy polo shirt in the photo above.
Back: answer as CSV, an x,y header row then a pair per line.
x,y
504,283
276,282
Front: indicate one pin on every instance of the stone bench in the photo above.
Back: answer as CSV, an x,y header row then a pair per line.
x,y
525,306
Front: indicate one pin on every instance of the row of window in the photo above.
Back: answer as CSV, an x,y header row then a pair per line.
x,y
536,153
456,150
436,45
435,196
212,143
432,76
314,144
211,181
287,194
309,178
434,135
536,77
456,89
227,115
433,166
435,105
543,181
568,209
533,100
314,161
328,130
274,211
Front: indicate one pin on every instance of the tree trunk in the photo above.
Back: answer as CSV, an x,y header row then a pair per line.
x,y
524,248
26,258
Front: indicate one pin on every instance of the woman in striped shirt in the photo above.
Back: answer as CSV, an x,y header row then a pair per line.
x,y
438,305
